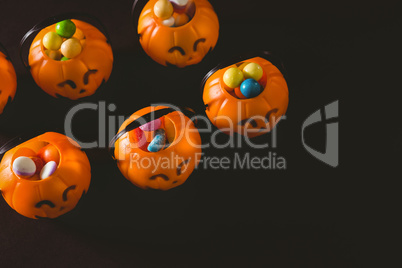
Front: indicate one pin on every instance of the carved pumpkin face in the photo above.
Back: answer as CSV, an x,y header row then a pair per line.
x,y
8,81
55,195
250,117
179,46
78,77
167,168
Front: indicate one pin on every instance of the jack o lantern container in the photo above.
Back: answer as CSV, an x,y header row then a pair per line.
x,y
178,32
157,148
247,97
8,81
44,177
69,58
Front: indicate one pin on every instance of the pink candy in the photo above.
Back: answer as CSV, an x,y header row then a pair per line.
x,y
152,126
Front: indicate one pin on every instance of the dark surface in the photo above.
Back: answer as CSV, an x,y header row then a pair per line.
x,y
310,215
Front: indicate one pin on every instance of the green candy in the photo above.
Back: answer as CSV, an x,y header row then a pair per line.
x,y
65,28
64,58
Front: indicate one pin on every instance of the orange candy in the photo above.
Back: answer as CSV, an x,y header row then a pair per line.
x,y
49,153
239,94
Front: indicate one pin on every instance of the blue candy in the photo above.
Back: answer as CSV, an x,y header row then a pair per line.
x,y
250,88
158,141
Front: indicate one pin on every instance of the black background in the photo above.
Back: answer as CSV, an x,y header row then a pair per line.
x,y
309,215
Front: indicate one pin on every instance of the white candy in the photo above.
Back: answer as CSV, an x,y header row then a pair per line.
x,y
169,22
179,2
48,170
24,166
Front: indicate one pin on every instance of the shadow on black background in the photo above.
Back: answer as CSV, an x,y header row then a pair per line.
x,y
310,215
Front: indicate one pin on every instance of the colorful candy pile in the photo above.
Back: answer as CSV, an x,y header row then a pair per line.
x,y
246,81
37,166
174,13
64,44
159,138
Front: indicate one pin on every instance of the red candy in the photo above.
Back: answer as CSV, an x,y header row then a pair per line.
x,y
140,139
263,80
49,153
39,163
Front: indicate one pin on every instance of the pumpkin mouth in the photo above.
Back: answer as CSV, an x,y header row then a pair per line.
x,y
162,176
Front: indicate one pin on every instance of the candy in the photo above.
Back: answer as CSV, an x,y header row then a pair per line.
x,y
64,59
48,170
140,139
53,54
151,126
24,166
190,9
169,22
180,19
65,28
49,153
238,93
163,9
244,64
179,4
39,163
52,41
263,81
79,34
158,142
71,48
233,77
250,88
253,70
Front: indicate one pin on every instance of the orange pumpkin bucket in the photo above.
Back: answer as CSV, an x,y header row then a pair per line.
x,y
247,95
44,177
157,148
177,32
8,79
68,58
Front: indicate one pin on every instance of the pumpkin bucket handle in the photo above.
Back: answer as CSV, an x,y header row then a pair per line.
x,y
138,6
54,19
146,119
274,59
19,139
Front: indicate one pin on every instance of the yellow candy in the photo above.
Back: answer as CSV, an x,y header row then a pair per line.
x,y
163,9
169,22
180,19
233,77
71,48
52,41
78,34
241,67
253,70
53,54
